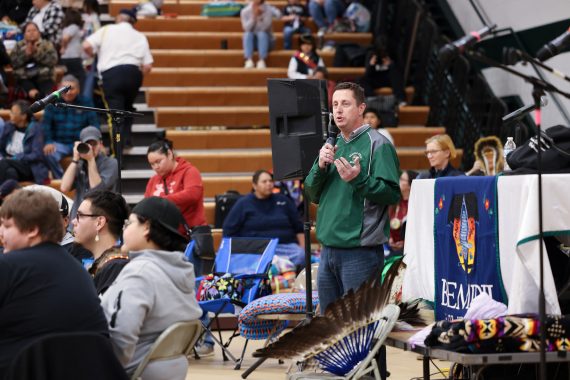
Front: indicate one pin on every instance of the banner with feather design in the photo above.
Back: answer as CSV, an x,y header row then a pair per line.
x,y
466,244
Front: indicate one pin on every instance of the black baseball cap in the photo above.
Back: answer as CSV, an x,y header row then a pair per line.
x,y
163,212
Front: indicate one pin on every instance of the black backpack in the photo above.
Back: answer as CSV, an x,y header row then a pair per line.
x,y
555,154
224,203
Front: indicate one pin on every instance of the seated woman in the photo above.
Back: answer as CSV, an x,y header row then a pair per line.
x,y
440,150
181,183
399,213
155,290
21,147
33,60
265,214
97,227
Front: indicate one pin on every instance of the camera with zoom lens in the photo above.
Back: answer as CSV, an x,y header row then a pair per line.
x,y
83,148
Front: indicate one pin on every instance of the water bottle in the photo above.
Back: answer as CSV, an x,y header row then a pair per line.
x,y
508,148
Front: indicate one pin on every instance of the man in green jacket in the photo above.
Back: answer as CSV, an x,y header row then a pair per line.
x,y
353,182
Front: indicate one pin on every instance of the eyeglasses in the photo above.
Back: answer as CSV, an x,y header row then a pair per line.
x,y
127,223
82,215
431,152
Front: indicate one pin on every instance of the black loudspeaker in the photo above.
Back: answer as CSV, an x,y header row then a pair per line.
x,y
298,112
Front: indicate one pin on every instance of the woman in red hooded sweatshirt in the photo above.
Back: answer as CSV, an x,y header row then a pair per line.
x,y
178,181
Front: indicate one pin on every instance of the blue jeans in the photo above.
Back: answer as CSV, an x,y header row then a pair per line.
x,y
288,32
324,16
261,40
61,151
342,269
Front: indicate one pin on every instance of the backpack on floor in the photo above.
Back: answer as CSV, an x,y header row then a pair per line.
x,y
224,203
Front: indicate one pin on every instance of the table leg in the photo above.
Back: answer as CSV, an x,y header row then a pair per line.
x,y
426,367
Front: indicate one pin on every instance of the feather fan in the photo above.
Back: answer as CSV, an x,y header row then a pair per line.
x,y
343,336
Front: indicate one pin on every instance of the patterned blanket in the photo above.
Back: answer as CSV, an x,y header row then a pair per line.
x,y
251,327
512,333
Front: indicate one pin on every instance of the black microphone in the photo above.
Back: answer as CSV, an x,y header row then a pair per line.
x,y
333,131
453,49
521,112
51,98
554,47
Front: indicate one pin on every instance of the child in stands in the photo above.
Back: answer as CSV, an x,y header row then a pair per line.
x,y
305,61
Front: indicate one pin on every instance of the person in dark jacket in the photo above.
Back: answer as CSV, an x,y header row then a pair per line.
x,y
265,214
43,290
440,150
21,144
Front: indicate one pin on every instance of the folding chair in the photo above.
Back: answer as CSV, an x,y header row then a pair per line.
x,y
176,341
245,259
334,357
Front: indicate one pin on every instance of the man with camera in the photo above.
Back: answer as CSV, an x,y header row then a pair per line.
x,y
90,169
62,125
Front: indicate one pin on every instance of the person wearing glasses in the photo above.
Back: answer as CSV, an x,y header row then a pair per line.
x,y
440,150
90,169
97,226
154,291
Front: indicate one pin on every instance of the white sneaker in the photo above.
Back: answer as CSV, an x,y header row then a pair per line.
x,y
261,64
249,64
203,350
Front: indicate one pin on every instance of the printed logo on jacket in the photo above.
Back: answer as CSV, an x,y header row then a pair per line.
x,y
466,244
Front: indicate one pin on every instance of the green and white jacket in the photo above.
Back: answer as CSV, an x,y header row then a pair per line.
x,y
355,214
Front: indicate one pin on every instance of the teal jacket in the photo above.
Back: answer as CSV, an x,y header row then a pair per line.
x,y
355,214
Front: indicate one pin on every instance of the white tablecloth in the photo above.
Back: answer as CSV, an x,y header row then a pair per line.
x,y
518,231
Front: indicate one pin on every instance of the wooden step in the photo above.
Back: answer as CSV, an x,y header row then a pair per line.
x,y
247,116
233,39
223,58
206,96
229,161
220,139
233,76
201,24
219,96
261,138
181,7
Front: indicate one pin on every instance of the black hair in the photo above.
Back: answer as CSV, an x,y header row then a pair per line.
x,y
165,239
72,16
161,146
373,110
31,23
258,173
112,206
92,5
322,69
412,174
24,107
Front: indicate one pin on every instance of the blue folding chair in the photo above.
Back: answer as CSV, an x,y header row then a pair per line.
x,y
245,259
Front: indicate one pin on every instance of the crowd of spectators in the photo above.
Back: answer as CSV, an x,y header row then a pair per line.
x,y
122,250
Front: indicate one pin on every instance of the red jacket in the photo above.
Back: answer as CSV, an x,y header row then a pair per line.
x,y
185,189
